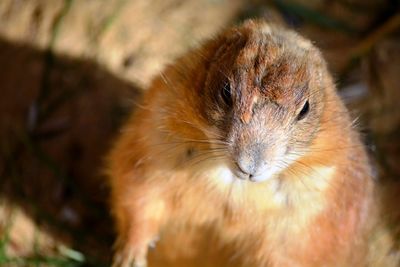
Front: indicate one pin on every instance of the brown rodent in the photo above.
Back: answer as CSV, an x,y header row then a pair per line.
x,y
247,136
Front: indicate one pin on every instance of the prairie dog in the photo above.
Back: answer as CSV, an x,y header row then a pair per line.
x,y
246,134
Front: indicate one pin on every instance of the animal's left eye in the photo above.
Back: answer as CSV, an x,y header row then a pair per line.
x,y
226,94
304,111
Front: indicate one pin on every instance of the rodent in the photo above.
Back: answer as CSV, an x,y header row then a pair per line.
x,y
245,134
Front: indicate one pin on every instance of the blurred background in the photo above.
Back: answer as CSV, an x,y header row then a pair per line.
x,y
70,72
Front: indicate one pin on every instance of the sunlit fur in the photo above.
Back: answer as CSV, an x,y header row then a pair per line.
x,y
174,164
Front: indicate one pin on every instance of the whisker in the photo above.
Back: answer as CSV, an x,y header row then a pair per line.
x,y
306,172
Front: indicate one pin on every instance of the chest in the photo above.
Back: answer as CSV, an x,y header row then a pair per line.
x,y
282,202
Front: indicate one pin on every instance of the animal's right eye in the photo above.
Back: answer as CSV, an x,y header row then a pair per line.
x,y
304,111
226,94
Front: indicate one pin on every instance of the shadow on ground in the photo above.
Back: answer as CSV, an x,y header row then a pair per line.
x,y
58,116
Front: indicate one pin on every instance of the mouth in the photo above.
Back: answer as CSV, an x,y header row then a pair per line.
x,y
240,174
250,177
257,177
245,176
228,173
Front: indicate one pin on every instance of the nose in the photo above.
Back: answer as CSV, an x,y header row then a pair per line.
x,y
249,161
243,173
246,172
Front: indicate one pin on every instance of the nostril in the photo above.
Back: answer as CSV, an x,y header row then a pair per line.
x,y
247,170
242,173
241,169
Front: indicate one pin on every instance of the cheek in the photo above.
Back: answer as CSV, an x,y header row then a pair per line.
x,y
215,115
267,174
275,161
220,176
225,175
278,147
281,150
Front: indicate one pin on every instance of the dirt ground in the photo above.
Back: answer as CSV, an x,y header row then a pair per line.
x,y
70,72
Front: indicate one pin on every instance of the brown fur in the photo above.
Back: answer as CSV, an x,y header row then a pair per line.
x,y
168,167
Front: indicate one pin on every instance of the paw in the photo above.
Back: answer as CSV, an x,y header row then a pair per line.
x,y
129,263
153,243
127,258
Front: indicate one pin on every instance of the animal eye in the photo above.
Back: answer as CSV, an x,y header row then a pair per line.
x,y
304,111
226,94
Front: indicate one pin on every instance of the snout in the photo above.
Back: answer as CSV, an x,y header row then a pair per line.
x,y
250,162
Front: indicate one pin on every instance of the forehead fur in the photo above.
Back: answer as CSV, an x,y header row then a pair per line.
x,y
273,62
269,63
